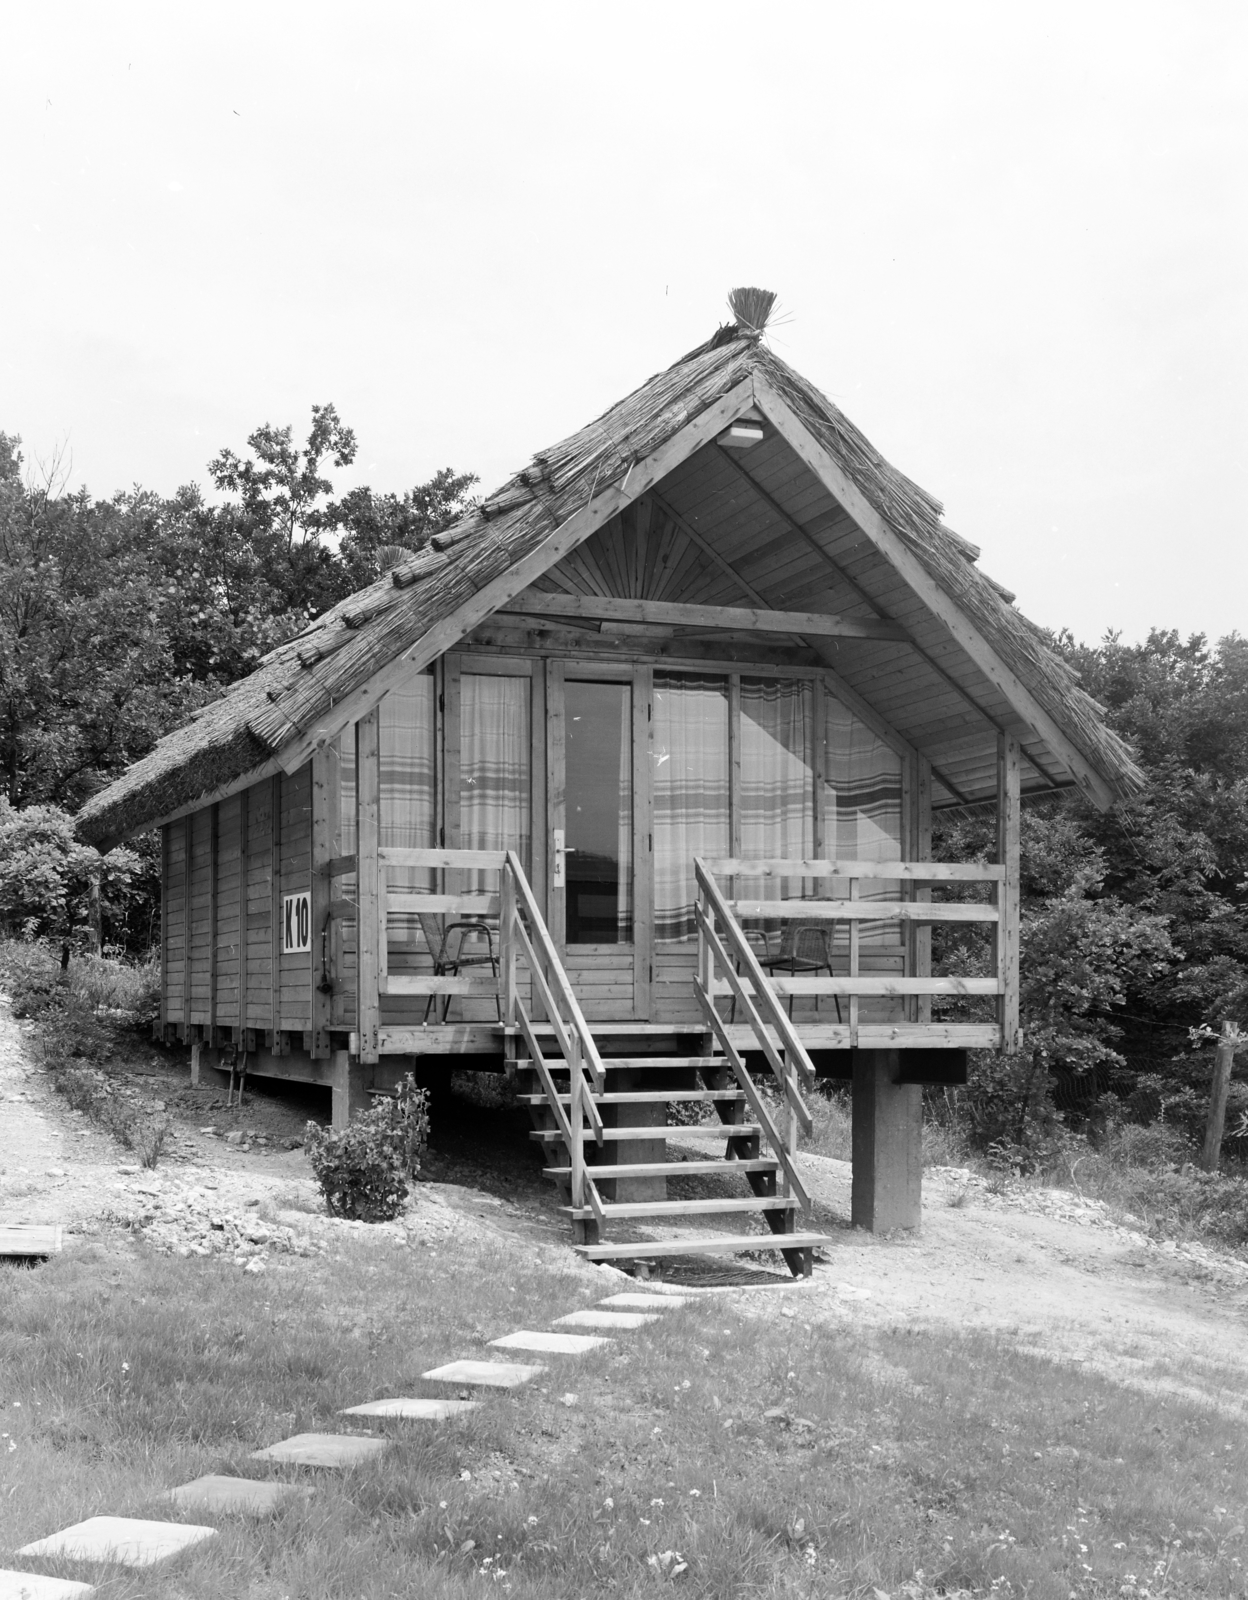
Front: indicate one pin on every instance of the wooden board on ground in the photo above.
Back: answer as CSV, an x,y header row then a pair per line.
x,y
29,1239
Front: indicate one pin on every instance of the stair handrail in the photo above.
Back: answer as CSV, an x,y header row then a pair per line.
x,y
553,990
558,978
765,1005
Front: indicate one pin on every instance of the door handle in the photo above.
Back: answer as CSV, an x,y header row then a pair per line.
x,y
559,871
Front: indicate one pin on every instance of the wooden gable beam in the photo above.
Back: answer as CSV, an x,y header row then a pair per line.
x,y
941,605
641,476
609,608
834,566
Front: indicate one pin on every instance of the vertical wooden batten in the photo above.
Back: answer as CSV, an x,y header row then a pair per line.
x,y
244,868
1008,829
643,825
164,930
369,931
326,844
556,914
275,903
213,902
188,845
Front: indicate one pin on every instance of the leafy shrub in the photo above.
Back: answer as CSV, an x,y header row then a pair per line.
x,y
32,976
364,1168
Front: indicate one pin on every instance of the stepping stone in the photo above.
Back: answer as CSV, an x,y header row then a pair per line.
x,y
32,1586
125,1540
643,1302
414,1410
323,1450
554,1344
485,1374
605,1319
241,1497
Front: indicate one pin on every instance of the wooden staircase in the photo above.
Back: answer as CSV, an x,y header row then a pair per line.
x,y
589,1110
670,1081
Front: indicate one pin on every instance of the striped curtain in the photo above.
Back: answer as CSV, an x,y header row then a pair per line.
x,y
406,737
494,783
691,818
863,794
777,799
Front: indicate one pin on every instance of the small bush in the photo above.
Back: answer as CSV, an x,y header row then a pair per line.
x,y
149,1139
363,1169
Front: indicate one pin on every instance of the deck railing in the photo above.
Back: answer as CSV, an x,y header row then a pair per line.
x,y
730,967
515,930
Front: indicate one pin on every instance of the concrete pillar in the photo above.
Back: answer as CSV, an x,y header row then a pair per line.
x,y
887,1144
348,1086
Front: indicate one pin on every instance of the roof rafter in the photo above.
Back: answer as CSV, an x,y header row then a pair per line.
x,y
890,545
831,562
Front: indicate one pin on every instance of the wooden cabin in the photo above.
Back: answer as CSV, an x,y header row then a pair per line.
x,y
625,784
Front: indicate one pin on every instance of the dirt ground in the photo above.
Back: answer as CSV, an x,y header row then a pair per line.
x,y
1040,1267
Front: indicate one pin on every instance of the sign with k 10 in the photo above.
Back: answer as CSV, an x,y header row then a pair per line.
x,y
296,923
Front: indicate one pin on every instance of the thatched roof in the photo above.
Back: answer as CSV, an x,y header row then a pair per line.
x,y
299,683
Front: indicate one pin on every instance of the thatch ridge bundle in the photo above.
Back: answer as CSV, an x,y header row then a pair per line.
x,y
304,678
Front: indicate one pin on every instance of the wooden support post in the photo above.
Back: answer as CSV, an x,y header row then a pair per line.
x,y
507,943
347,1082
368,897
1229,1040
195,1053
1007,940
922,851
325,845
887,1141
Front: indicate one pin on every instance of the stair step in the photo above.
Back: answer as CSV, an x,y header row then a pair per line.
x,y
684,1208
729,1130
641,1097
634,1063
661,1169
701,1245
612,1062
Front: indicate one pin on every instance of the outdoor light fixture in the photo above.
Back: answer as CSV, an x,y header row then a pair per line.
x,y
741,435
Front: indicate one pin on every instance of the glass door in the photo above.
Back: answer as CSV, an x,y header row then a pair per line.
x,y
593,842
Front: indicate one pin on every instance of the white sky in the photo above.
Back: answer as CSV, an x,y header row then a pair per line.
x,y
1011,239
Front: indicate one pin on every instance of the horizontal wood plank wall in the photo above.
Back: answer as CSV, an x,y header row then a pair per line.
x,y
258,924
229,857
296,876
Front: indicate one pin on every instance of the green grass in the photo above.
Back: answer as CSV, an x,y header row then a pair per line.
x,y
897,1452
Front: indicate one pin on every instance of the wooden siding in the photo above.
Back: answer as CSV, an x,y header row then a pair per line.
x,y
222,896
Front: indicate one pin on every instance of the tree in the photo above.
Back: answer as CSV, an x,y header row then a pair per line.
x,y
87,680
281,489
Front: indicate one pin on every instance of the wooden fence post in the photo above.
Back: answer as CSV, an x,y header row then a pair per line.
x,y
1229,1040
